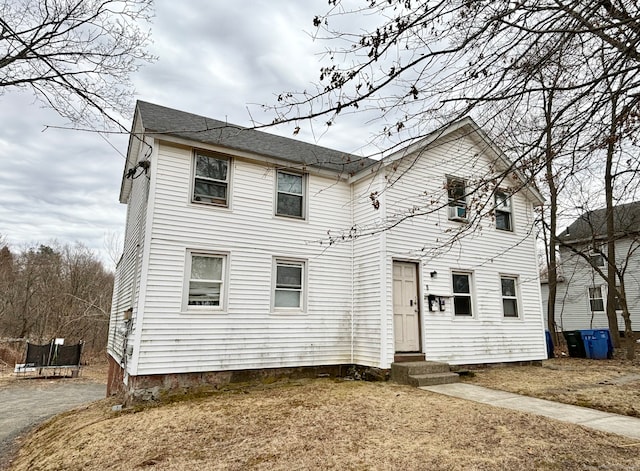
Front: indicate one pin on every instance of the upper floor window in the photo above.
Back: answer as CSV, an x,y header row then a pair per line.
x,y
211,179
290,190
509,296
595,256
206,279
457,201
289,284
462,302
504,218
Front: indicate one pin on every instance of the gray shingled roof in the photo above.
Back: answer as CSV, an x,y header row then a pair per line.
x,y
626,219
159,119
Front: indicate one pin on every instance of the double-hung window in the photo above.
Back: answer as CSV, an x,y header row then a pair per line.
x,y
509,296
211,179
206,280
504,218
289,284
462,300
290,190
596,302
457,201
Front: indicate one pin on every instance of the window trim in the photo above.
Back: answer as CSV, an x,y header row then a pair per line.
x,y
515,297
470,295
305,199
303,280
190,253
452,208
213,155
508,211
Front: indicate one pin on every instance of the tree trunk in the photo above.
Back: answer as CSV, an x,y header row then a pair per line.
x,y
611,245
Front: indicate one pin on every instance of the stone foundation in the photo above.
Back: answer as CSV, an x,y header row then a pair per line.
x,y
155,387
115,378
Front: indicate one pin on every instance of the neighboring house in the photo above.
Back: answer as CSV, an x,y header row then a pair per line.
x,y
224,272
581,297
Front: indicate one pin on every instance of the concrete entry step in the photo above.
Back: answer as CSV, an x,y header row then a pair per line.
x,y
422,373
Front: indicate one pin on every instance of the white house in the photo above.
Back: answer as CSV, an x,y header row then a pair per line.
x,y
581,296
246,252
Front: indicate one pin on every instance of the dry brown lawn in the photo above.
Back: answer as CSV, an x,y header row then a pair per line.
x,y
608,385
318,424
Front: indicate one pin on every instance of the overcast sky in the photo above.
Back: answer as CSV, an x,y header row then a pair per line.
x,y
214,58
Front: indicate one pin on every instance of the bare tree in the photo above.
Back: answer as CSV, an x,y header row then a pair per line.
x,y
75,55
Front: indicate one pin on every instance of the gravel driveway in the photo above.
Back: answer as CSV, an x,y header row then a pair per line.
x,y
25,403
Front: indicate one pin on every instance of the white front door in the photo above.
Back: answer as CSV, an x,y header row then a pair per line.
x,y
406,315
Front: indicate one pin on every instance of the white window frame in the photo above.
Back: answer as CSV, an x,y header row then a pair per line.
x,y
284,261
211,155
459,211
303,195
223,281
515,297
503,204
470,295
593,299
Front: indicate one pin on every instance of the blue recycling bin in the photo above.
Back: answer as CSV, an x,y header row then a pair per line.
x,y
549,340
597,344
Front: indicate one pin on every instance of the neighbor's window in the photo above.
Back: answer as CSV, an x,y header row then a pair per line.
x,y
289,277
456,198
503,211
509,296
462,294
596,302
211,179
290,194
206,280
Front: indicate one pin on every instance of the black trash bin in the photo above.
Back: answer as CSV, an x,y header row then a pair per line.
x,y
575,343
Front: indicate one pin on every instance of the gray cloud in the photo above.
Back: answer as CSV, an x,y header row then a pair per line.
x,y
215,58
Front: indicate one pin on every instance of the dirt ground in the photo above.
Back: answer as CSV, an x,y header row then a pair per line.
x,y
327,424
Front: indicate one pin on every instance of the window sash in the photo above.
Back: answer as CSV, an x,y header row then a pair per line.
x,y
456,189
211,179
289,285
290,189
206,282
503,211
596,300
508,287
462,294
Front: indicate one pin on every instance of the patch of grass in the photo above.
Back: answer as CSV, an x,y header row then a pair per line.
x,y
317,424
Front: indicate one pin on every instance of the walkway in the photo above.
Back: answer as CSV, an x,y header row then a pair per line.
x,y
594,419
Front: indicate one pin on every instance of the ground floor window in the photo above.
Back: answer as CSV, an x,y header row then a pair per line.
x,y
509,296
206,279
596,303
289,284
462,301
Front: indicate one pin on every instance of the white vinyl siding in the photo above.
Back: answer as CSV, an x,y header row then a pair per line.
x,y
573,310
245,333
484,337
